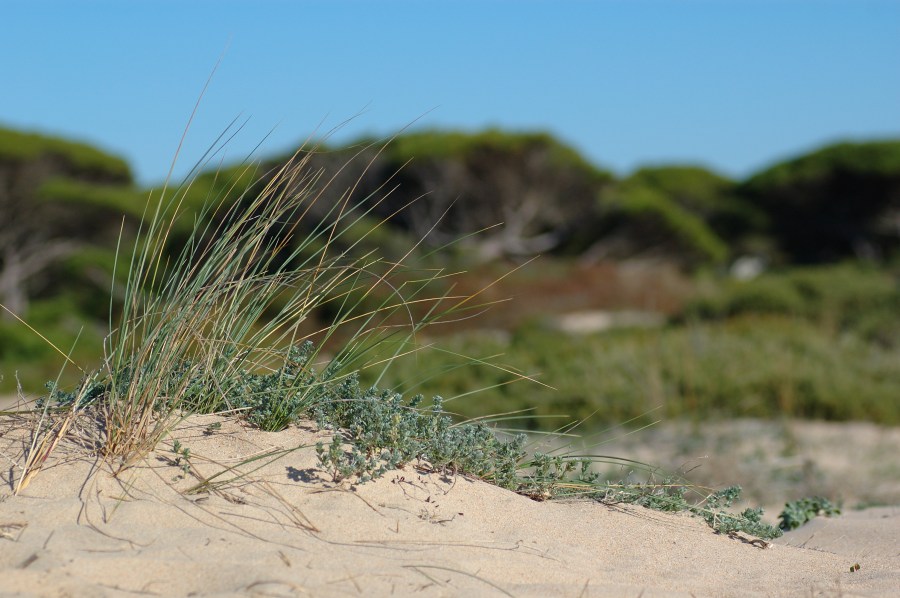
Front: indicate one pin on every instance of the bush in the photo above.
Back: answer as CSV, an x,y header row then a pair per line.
x,y
709,196
798,512
27,359
749,366
845,297
644,220
20,147
762,296
832,204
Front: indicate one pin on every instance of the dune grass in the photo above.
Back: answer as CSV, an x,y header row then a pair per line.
x,y
220,325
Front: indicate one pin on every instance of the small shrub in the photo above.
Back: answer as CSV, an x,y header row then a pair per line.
x,y
797,513
386,432
648,220
842,298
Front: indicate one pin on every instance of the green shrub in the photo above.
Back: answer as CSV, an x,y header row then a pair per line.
x,y
832,204
123,199
798,512
761,296
435,144
692,187
749,366
649,220
18,146
846,297
708,196
27,359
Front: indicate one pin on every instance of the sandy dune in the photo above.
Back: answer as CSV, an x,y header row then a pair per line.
x,y
286,529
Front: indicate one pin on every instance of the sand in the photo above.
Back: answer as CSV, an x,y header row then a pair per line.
x,y
282,527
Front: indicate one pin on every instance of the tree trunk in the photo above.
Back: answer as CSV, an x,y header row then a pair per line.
x,y
12,292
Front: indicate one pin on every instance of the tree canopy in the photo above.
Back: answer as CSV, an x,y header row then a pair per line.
x,y
57,197
842,201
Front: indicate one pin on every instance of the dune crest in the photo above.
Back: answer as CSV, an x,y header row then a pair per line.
x,y
278,526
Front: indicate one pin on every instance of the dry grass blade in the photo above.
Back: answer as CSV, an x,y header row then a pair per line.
x,y
12,530
45,442
213,484
419,568
301,520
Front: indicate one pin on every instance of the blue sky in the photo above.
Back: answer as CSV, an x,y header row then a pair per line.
x,y
730,84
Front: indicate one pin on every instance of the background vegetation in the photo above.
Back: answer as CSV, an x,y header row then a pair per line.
x,y
815,336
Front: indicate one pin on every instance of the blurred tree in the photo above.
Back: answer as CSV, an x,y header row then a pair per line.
x,y
523,193
533,190
638,219
56,197
708,195
838,202
681,213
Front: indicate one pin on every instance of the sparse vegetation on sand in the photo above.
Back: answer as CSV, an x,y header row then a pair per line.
x,y
798,512
221,326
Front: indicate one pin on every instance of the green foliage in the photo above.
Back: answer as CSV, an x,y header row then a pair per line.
x,y
680,213
749,366
122,199
766,295
271,401
86,392
879,158
846,297
798,512
503,193
748,521
341,465
182,457
377,431
28,359
656,222
220,187
385,432
670,496
275,399
56,198
834,203
692,187
232,189
17,343
17,146
367,234
711,198
435,144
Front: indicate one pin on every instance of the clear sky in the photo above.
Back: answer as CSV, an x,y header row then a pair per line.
x,y
731,84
